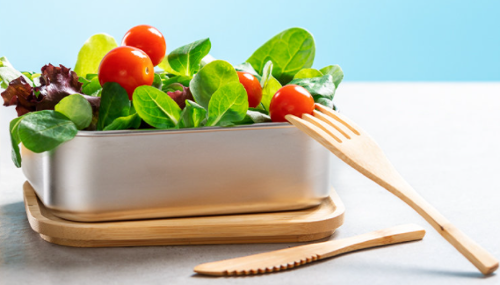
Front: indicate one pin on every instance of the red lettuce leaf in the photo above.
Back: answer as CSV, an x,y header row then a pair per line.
x,y
55,84
180,97
22,95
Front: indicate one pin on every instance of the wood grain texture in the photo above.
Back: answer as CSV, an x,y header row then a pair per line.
x,y
361,152
291,226
287,258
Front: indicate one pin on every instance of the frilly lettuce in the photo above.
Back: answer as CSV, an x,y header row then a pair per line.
x,y
55,84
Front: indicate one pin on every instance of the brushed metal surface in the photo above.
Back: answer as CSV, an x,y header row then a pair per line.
x,y
116,175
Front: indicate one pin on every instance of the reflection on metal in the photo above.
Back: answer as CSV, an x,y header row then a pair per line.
x,y
169,173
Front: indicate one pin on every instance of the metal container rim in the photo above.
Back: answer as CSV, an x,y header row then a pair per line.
x,y
143,132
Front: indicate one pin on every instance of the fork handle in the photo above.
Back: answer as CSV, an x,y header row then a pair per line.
x,y
363,154
482,259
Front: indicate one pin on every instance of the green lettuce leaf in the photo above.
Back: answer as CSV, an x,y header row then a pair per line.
x,y
76,108
92,52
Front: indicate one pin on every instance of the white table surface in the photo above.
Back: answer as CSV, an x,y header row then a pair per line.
x,y
444,138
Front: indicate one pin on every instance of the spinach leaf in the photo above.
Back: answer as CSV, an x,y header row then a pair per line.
x,y
132,121
321,88
308,73
165,65
92,52
269,85
157,83
228,104
77,109
114,104
132,110
258,109
45,130
15,141
192,115
83,80
210,78
186,59
123,123
247,67
156,108
92,87
335,71
252,117
290,51
173,87
184,80
91,76
327,102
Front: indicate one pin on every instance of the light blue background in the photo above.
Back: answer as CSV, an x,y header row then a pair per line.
x,y
371,40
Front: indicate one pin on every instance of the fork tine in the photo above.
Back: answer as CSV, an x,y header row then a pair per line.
x,y
334,132
335,115
311,130
331,122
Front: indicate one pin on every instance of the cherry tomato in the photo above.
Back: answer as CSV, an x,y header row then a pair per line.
x,y
290,99
128,66
149,39
252,86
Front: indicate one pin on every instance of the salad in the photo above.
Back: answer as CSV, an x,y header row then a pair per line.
x,y
116,88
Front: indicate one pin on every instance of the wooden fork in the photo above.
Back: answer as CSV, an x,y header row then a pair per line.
x,y
356,148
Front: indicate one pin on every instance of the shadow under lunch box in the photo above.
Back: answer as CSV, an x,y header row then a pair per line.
x,y
140,174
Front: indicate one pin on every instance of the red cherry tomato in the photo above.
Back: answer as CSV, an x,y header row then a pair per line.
x,y
252,86
149,39
128,66
290,99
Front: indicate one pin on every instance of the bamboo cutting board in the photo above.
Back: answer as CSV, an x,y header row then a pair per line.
x,y
290,226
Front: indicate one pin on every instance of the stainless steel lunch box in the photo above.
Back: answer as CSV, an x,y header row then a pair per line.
x,y
122,175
